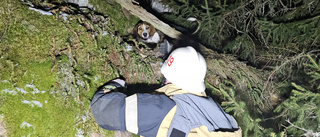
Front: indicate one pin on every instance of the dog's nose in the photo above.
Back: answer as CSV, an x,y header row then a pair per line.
x,y
145,34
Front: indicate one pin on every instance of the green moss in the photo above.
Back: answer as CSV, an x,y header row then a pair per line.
x,y
30,35
31,73
35,80
54,118
119,21
40,75
27,65
6,67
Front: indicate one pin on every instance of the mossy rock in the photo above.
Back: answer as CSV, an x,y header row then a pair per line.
x,y
121,20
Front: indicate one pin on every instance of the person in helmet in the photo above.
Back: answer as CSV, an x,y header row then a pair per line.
x,y
183,110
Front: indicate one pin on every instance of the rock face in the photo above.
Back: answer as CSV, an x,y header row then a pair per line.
x,y
160,7
81,3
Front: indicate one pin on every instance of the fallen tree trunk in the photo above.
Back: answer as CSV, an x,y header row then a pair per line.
x,y
146,16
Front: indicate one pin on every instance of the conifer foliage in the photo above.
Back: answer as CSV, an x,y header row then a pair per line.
x,y
301,110
279,37
260,31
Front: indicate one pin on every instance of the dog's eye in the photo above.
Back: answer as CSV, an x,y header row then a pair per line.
x,y
147,27
140,28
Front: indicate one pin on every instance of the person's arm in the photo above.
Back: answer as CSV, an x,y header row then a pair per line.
x,y
117,85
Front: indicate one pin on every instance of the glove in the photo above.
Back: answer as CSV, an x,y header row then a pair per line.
x,y
116,85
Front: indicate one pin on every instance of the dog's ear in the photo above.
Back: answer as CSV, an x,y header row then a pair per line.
x,y
152,30
135,29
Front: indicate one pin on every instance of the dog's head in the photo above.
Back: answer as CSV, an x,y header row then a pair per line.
x,y
145,30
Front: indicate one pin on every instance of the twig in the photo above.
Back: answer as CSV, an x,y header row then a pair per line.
x,y
135,2
284,6
198,28
308,133
240,7
71,55
105,70
5,31
291,124
239,31
208,12
53,56
68,49
76,46
275,117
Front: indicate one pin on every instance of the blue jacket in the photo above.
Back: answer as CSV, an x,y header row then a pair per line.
x,y
195,113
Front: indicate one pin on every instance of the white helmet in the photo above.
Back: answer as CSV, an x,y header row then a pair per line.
x,y
186,68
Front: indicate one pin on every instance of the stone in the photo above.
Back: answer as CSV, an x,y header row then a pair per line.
x,y
3,131
81,3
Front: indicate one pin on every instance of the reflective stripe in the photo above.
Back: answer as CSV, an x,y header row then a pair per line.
x,y
132,114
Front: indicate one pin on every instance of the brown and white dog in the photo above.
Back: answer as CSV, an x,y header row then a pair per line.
x,y
147,33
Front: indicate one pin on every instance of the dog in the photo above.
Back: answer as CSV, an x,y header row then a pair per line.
x,y
152,38
147,33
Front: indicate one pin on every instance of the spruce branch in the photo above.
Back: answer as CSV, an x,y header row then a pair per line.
x,y
239,109
239,8
308,133
314,62
288,61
